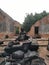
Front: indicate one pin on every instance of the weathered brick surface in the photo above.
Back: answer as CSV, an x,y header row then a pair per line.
x,y
43,25
7,25
43,51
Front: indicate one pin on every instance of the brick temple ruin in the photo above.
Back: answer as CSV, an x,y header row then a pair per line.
x,y
7,25
41,28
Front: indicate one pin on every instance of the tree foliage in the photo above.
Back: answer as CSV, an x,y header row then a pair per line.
x,y
17,30
30,19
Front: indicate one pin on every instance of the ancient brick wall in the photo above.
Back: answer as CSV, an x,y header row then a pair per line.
x,y
43,25
7,24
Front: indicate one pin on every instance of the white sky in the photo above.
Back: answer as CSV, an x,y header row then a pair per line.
x,y
17,9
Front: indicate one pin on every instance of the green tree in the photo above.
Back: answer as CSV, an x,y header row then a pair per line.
x,y
17,30
28,22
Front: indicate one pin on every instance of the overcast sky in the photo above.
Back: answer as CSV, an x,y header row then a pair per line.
x,y
17,9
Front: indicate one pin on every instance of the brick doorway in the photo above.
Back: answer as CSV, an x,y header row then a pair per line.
x,y
36,30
